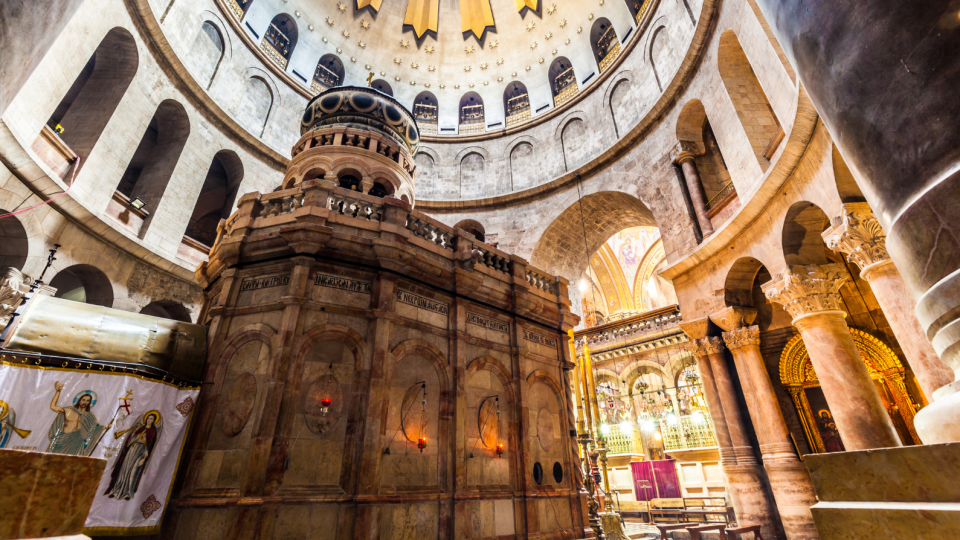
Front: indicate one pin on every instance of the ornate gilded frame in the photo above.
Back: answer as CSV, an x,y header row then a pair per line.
x,y
797,374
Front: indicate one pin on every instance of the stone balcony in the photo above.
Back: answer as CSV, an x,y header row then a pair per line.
x,y
647,330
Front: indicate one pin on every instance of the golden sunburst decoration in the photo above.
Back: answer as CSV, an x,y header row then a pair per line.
x,y
554,52
471,85
467,68
397,61
426,84
404,43
310,27
324,39
339,50
430,49
548,35
431,68
495,44
329,21
485,83
541,60
528,68
531,26
442,86
342,7
456,87
382,73
366,67
484,65
563,23
414,65
579,29
413,83
552,9
468,50
353,59
346,33
567,42
499,79
396,79
514,74
361,44
533,45
364,24
500,62
590,17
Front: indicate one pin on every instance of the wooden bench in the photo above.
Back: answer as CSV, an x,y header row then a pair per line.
x,y
690,509
666,529
733,533
718,528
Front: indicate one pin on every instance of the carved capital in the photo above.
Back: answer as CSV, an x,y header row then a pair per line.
x,y
13,286
709,345
683,151
742,337
803,290
733,317
857,234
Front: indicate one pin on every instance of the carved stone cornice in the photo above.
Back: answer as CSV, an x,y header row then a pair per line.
x,y
683,151
803,290
709,345
742,337
857,234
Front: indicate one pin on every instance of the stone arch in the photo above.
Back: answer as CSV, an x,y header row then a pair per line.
x,y
96,92
427,179
473,227
471,162
658,42
637,368
547,378
693,126
215,201
255,105
738,285
14,242
757,118
206,53
562,76
484,465
561,250
847,187
240,337
84,283
571,134
521,154
382,86
330,74
623,108
167,309
677,363
800,238
282,35
156,157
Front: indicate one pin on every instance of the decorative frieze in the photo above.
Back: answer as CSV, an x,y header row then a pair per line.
x,y
857,234
742,337
803,290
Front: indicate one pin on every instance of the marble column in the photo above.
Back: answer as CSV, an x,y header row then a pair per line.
x,y
810,294
857,234
683,154
746,480
896,131
789,479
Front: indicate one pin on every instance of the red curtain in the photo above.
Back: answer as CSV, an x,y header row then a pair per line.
x,y
662,476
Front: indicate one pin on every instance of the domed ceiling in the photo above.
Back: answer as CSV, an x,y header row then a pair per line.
x,y
449,45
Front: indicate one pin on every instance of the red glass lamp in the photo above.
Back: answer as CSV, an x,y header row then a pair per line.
x,y
325,405
499,449
422,443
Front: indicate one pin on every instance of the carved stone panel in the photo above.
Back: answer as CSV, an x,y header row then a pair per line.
x,y
238,404
488,422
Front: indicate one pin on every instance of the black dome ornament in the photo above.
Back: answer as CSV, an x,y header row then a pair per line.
x,y
364,108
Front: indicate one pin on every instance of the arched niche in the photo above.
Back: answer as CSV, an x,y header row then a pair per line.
x,y
516,103
801,241
382,86
280,39
604,42
693,126
14,243
88,105
563,80
255,105
205,54
83,283
330,74
490,424
471,114
574,139
217,194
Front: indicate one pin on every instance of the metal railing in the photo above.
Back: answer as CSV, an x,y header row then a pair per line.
x,y
720,195
623,439
688,432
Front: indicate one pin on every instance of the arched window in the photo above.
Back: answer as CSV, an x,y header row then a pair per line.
x,y
563,81
382,189
638,8
280,39
383,86
205,54
255,105
167,309
473,227
751,103
471,114
86,108
350,179
14,245
215,201
425,112
718,191
603,40
151,166
516,103
329,73
83,283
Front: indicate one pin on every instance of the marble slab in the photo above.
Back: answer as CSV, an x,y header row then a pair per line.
x,y
46,495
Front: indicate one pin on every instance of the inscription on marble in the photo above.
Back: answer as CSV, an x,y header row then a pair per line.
x,y
254,284
422,303
486,322
540,339
336,282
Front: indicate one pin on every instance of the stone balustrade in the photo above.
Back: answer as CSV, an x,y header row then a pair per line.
x,y
636,326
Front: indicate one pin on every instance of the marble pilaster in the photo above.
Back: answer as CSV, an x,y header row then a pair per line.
x,y
810,294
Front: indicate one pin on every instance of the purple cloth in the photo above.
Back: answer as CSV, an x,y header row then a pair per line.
x,y
662,475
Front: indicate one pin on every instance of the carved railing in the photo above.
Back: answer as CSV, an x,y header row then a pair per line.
x,y
473,127
487,257
341,202
518,118
610,57
544,283
638,325
273,54
727,189
643,10
430,232
688,432
285,204
566,95
235,9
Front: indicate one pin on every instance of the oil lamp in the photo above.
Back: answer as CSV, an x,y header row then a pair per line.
x,y
422,443
499,449
325,405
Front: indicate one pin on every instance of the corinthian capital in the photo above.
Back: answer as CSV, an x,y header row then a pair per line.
x,y
857,233
742,337
683,151
807,289
708,346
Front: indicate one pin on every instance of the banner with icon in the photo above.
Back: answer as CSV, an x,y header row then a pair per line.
x,y
137,424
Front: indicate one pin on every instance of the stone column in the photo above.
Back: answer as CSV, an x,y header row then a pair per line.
x,y
857,234
683,154
811,295
789,479
905,160
746,480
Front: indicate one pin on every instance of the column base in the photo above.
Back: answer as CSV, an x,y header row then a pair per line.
x,y
939,422
907,492
794,493
748,491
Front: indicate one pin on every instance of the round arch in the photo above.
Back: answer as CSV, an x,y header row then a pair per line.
x,y
382,86
603,39
84,283
282,35
14,243
330,73
800,238
561,75
167,309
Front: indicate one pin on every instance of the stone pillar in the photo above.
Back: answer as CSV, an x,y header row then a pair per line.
x,y
746,480
683,154
905,159
811,295
789,479
857,234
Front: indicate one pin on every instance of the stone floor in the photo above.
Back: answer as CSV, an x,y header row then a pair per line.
x,y
638,530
